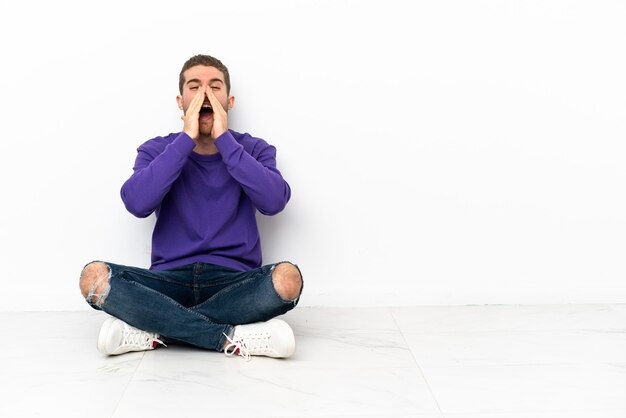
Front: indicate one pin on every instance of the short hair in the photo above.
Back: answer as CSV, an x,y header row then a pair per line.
x,y
207,60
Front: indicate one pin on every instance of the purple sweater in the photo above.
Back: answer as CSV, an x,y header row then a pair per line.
x,y
205,204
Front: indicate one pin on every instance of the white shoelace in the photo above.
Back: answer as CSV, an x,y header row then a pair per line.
x,y
140,339
248,345
237,346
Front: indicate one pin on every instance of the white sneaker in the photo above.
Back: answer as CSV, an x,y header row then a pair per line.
x,y
273,338
117,337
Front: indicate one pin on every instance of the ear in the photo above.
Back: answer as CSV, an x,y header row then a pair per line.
x,y
179,100
231,102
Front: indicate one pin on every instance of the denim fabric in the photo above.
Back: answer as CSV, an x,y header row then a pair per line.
x,y
195,304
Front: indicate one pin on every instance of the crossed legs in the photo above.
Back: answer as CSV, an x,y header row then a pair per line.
x,y
251,298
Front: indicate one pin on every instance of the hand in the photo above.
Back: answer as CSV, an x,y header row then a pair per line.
x,y
191,121
220,117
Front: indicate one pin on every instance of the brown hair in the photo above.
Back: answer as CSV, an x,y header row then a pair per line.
x,y
207,60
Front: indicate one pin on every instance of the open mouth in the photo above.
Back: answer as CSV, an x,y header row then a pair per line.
x,y
206,108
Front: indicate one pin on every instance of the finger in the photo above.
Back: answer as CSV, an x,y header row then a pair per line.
x,y
196,102
215,104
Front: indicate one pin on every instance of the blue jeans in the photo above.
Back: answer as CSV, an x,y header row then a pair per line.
x,y
197,304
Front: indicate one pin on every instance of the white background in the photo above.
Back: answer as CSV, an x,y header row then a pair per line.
x,y
439,152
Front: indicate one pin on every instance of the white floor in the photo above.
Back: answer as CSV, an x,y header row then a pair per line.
x,y
472,361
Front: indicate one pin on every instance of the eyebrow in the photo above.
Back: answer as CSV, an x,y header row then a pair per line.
x,y
197,80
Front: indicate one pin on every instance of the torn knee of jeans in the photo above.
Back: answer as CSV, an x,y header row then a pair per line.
x,y
287,280
95,282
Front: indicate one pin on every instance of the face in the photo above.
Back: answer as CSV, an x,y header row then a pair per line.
x,y
201,76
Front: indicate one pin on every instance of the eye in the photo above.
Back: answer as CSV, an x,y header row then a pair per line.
x,y
215,88
193,88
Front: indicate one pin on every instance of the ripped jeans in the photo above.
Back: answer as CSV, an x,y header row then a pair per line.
x,y
198,304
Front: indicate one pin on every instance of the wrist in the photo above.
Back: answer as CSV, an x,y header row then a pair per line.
x,y
191,134
217,133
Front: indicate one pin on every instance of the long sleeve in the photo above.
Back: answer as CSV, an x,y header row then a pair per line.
x,y
206,205
157,166
256,172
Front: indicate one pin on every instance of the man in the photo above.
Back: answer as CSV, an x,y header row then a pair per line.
x,y
206,285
